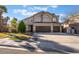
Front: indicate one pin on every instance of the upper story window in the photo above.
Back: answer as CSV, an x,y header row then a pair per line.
x,y
46,18
54,19
37,18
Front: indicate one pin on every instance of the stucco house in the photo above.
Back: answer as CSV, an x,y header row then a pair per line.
x,y
43,22
72,24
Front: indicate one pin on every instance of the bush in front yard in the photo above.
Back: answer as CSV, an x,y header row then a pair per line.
x,y
22,27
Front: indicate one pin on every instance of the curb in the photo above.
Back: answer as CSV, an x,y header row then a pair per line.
x,y
14,48
62,51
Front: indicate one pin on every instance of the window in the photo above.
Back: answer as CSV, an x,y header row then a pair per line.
x,y
54,19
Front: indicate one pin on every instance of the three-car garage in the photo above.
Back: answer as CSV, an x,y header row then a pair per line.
x,y
47,28
43,29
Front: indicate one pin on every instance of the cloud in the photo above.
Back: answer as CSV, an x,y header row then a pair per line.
x,y
24,6
61,15
23,12
54,6
32,10
40,8
44,8
4,15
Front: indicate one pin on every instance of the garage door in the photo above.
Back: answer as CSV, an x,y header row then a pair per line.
x,y
56,29
43,28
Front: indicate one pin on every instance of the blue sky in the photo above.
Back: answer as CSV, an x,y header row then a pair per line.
x,y
24,11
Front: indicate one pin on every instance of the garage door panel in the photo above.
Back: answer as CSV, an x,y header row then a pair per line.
x,y
43,28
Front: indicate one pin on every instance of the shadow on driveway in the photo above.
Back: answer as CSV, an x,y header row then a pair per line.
x,y
50,46
63,34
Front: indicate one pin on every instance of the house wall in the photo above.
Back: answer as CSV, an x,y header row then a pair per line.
x,y
47,18
29,21
37,18
41,18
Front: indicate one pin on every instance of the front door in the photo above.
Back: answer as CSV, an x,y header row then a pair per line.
x,y
56,28
31,28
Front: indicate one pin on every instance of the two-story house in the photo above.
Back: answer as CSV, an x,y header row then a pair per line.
x,y
43,22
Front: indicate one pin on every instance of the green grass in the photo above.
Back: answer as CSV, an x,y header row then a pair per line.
x,y
23,36
2,35
19,36
13,38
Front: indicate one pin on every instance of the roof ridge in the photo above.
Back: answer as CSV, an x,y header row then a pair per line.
x,y
38,13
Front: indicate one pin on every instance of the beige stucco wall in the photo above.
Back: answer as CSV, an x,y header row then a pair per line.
x,y
37,18
47,18
29,21
46,24
44,19
42,24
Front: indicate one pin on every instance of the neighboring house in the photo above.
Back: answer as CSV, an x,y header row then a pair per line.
x,y
43,22
72,24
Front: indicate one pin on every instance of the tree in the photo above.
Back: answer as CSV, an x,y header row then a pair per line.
x,y
22,27
3,9
7,18
70,15
5,24
13,25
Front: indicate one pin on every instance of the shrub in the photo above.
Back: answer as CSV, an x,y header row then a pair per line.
x,y
22,27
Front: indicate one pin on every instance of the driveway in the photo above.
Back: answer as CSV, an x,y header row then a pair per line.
x,y
61,41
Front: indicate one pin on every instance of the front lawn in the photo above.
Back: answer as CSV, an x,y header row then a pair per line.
x,y
23,36
2,35
15,36
20,36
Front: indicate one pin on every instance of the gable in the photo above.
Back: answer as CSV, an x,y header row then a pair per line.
x,y
42,17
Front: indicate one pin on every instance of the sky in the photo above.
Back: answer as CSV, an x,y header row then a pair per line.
x,y
23,11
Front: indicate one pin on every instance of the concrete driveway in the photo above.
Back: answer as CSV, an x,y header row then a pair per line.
x,y
61,41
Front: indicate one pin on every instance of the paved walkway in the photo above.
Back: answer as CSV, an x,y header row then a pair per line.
x,y
60,41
